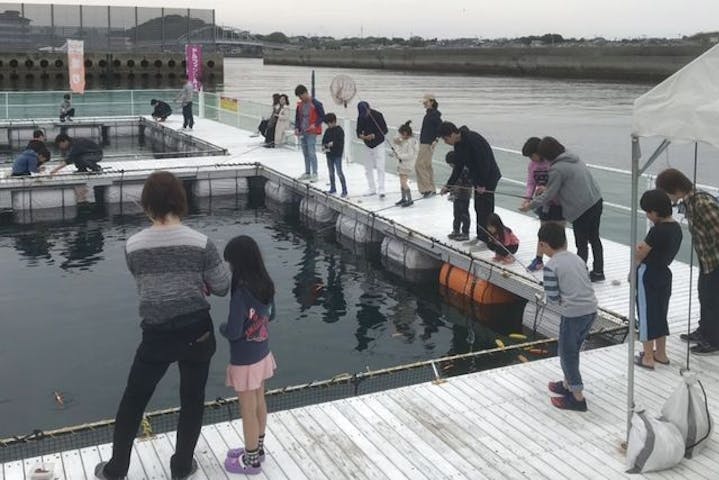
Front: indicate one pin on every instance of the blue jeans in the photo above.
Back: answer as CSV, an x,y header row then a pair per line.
x,y
308,143
334,163
572,332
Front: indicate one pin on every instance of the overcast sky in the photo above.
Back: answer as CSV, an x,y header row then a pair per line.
x,y
457,18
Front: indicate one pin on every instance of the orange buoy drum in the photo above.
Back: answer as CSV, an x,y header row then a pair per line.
x,y
480,291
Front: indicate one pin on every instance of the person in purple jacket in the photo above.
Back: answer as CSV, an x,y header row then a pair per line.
x,y
537,178
251,361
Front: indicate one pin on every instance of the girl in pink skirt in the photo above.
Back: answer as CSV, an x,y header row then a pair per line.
x,y
251,362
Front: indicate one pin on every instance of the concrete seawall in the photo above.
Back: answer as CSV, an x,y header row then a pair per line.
x,y
46,70
606,63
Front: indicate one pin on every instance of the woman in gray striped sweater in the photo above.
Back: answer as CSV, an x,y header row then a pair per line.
x,y
175,268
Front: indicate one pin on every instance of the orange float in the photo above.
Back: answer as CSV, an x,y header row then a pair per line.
x,y
480,291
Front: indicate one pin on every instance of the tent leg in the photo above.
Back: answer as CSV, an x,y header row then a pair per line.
x,y
632,282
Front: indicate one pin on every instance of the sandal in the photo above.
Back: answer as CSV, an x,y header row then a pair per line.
x,y
660,362
638,361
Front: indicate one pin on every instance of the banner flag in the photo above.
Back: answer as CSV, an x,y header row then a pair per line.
x,y
193,60
76,65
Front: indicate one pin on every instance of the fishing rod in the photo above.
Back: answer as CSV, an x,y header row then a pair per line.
x,y
369,114
494,192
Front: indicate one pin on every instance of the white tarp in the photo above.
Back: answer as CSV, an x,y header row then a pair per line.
x,y
684,107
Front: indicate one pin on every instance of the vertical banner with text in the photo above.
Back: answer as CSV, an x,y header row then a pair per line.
x,y
193,59
76,65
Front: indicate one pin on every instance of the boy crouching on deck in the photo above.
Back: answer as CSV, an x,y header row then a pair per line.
x,y
567,284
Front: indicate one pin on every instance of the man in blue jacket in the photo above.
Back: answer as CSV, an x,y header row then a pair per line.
x,y
474,152
30,160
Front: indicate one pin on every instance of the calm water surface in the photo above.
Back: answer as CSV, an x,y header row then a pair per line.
x,y
70,324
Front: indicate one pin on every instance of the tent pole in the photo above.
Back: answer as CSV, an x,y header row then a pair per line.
x,y
636,155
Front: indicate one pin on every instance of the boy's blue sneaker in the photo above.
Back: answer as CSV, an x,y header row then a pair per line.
x,y
536,265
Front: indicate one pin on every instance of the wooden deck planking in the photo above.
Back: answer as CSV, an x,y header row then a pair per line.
x,y
14,470
90,458
151,463
72,465
378,456
277,437
171,438
393,447
425,446
331,447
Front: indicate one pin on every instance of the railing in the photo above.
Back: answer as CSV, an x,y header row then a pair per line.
x,y
29,105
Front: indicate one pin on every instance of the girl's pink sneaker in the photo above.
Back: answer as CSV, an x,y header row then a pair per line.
x,y
238,452
238,465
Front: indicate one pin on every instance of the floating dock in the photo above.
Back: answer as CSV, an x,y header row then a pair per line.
x,y
492,424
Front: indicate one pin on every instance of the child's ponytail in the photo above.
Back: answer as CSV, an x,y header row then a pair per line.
x,y
405,129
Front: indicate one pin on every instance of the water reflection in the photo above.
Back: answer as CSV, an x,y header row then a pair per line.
x,y
333,296
35,246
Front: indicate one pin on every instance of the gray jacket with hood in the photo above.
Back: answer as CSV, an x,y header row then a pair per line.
x,y
570,182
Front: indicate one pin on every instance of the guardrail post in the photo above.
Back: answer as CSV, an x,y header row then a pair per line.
x,y
132,102
201,96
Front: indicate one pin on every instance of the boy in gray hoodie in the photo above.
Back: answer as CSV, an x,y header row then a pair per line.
x,y
571,182
567,284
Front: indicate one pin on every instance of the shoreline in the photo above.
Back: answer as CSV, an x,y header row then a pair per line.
x,y
616,63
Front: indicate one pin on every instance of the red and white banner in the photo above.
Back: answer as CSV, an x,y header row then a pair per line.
x,y
76,65
193,60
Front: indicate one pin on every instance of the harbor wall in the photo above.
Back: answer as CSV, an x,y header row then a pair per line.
x,y
632,63
48,70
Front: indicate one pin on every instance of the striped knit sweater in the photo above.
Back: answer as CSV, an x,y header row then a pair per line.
x,y
172,267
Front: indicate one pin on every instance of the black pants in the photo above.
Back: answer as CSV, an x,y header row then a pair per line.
x,y
483,207
88,161
69,114
462,220
192,348
187,119
586,231
709,306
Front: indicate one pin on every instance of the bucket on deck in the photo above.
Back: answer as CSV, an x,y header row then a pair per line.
x,y
480,291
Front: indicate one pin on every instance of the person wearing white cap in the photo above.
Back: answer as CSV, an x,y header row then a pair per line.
x,y
427,141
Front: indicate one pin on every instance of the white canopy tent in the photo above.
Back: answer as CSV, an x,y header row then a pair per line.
x,y
683,108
